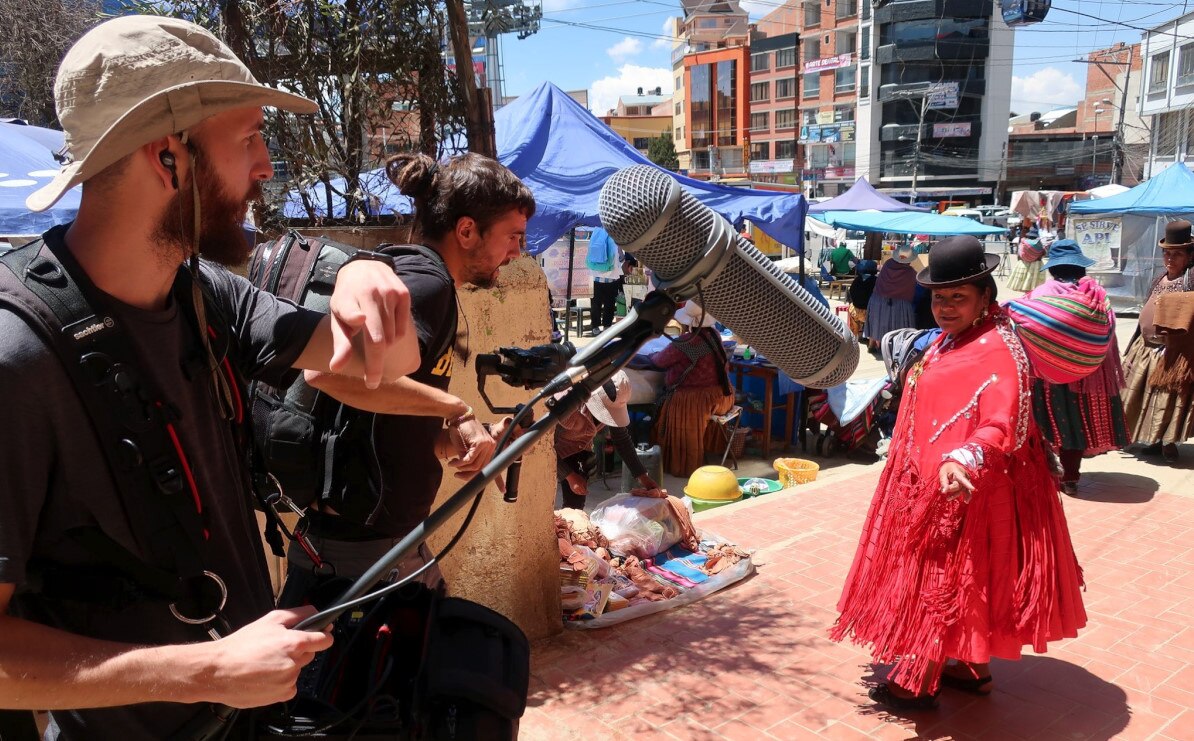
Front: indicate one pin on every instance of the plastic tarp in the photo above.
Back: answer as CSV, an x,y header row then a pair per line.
x,y
862,196
26,164
1171,193
908,223
565,154
381,198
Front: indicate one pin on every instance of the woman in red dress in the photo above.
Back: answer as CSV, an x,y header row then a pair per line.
x,y
965,553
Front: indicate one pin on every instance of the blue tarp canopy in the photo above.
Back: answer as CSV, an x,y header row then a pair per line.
x,y
565,154
862,196
381,198
1171,193
907,223
26,164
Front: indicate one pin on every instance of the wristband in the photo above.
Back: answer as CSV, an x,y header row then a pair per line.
x,y
456,422
370,255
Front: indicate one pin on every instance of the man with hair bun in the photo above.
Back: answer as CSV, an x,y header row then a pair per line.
x,y
470,220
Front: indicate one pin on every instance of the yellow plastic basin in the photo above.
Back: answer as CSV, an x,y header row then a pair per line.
x,y
713,483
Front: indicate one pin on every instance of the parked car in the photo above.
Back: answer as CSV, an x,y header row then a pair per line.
x,y
994,215
966,213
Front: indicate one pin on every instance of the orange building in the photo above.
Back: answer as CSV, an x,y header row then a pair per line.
x,y
717,109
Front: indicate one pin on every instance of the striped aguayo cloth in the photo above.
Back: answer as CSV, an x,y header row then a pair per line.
x,y
1065,328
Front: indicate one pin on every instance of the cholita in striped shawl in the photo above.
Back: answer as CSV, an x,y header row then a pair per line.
x,y
1066,329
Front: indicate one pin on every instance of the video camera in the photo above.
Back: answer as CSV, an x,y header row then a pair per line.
x,y
527,367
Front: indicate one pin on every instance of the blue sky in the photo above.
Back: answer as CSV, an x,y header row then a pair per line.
x,y
631,52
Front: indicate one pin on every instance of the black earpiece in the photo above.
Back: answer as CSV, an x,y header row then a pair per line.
x,y
167,160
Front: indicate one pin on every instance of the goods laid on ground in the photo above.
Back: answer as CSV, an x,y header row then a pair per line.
x,y
635,556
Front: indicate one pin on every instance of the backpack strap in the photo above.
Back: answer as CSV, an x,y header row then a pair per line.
x,y
134,426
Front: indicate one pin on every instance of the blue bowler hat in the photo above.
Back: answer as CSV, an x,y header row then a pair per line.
x,y
1066,252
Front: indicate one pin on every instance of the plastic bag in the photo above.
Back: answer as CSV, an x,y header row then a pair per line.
x,y
638,526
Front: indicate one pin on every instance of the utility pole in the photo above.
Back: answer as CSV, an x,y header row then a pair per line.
x,y
1118,158
920,132
480,136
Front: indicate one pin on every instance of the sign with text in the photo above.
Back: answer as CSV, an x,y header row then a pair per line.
x,y
554,260
771,167
943,95
1099,240
824,117
839,173
826,63
954,129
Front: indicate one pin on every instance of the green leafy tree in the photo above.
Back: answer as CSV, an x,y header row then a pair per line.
x,y
36,37
662,152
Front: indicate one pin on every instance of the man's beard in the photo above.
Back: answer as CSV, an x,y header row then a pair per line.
x,y
221,234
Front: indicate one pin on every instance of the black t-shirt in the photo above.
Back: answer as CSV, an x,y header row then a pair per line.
x,y
56,476
405,444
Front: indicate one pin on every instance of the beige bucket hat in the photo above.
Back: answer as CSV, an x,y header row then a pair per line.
x,y
136,78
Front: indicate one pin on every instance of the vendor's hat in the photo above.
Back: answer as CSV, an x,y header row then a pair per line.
x,y
904,254
138,78
1066,252
691,314
1177,235
956,261
608,403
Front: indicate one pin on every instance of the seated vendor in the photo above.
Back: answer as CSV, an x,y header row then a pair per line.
x,y
841,261
696,386
575,460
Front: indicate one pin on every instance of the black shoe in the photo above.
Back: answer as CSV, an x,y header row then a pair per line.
x,y
1070,488
1154,449
1169,453
882,695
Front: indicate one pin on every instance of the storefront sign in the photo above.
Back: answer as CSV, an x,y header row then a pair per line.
x,y
824,117
1099,240
830,134
555,265
771,167
943,95
827,63
947,130
839,173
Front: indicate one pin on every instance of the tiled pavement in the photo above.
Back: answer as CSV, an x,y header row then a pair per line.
x,y
753,662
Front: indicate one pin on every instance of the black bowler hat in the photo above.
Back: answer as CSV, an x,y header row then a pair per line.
x,y
1177,235
956,261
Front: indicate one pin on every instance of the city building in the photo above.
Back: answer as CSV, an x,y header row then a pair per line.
x,y
640,118
934,81
1167,98
719,30
773,115
1100,140
826,86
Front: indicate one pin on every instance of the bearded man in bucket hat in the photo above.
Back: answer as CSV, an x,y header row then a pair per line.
x,y
163,131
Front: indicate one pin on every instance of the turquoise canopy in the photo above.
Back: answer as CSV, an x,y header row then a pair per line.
x,y
907,223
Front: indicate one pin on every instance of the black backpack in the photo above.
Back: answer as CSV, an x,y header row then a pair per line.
x,y
310,442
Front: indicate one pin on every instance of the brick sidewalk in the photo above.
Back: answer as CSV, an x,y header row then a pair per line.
x,y
753,662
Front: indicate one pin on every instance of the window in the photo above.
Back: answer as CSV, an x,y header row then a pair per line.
x,y
844,79
843,113
812,13
679,108
785,88
808,117
934,32
680,82
760,151
1165,132
845,42
759,92
785,150
680,134
864,49
1185,65
642,142
846,9
1189,134
785,120
760,62
700,159
700,104
760,121
864,81
812,49
811,85
1158,74
726,96
866,9
785,58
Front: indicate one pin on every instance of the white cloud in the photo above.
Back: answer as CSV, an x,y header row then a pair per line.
x,y
624,49
758,8
604,93
1043,90
669,32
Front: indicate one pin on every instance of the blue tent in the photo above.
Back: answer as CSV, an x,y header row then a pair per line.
x,y
1171,193
565,154
381,198
907,223
26,164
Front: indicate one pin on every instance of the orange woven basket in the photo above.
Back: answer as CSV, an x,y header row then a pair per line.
x,y
793,471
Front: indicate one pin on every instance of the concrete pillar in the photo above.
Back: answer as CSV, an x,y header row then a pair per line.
x,y
508,560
